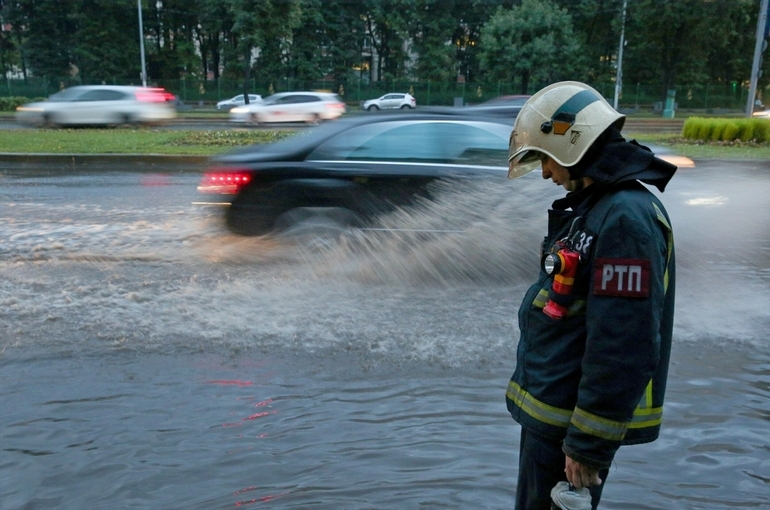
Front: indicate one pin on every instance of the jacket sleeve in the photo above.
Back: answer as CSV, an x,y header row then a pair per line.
x,y
623,314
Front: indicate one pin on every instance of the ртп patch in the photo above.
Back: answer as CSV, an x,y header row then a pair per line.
x,y
622,277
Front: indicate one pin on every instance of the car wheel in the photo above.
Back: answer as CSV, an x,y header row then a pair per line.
x,y
373,108
243,221
315,228
406,107
314,120
255,119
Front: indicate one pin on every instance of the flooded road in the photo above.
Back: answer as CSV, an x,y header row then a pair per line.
x,y
149,359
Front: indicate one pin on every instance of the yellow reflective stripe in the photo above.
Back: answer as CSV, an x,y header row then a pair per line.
x,y
645,415
536,409
575,308
541,299
669,242
646,401
646,418
598,426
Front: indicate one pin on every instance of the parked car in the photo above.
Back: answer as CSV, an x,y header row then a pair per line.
x,y
309,107
238,100
390,101
100,105
353,169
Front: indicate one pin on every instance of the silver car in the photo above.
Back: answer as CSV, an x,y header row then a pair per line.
x,y
393,101
238,100
308,107
100,105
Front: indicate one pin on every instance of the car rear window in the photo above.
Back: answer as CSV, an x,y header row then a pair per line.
x,y
102,95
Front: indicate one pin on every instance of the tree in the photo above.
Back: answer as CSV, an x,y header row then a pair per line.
x,y
597,23
387,28
106,44
345,27
668,39
534,41
48,27
265,25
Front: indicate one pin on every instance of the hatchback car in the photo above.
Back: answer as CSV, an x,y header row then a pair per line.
x,y
100,105
392,101
308,107
238,100
356,168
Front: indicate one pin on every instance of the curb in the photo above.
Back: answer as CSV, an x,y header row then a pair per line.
x,y
119,161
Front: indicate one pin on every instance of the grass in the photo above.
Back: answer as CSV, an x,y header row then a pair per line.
x,y
698,149
133,141
208,143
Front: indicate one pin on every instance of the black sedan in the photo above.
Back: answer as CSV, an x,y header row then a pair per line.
x,y
354,169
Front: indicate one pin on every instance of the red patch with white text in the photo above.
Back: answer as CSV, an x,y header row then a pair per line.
x,y
622,277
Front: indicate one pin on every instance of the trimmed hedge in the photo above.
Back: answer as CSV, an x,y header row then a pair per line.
x,y
726,130
9,104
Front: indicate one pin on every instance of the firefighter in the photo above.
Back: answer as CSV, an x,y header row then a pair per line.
x,y
595,329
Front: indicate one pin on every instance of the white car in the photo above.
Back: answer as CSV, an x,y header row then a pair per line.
x,y
100,105
309,107
238,100
390,101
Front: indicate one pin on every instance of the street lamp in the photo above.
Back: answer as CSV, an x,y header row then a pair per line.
x,y
619,76
141,42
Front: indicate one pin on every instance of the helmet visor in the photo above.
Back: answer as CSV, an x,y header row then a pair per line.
x,y
520,160
523,163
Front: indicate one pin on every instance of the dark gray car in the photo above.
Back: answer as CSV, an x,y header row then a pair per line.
x,y
353,169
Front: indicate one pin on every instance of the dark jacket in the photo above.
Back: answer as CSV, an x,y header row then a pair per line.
x,y
597,378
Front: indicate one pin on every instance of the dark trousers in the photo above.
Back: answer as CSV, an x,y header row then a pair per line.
x,y
541,467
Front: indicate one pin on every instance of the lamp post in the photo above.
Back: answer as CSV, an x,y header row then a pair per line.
x,y
758,49
619,75
141,42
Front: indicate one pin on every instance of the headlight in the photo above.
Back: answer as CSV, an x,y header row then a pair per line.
x,y
240,109
27,109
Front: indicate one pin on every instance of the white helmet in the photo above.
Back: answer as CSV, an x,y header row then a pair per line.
x,y
560,121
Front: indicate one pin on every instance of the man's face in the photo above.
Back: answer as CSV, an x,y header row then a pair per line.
x,y
559,174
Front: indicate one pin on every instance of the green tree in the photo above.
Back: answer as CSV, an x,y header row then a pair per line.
x,y
263,25
534,41
345,27
212,34
387,29
597,24
669,39
47,28
106,44
432,32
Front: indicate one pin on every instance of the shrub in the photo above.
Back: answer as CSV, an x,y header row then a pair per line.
x,y
727,130
690,128
9,104
731,131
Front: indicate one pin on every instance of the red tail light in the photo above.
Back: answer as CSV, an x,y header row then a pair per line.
x,y
224,181
153,95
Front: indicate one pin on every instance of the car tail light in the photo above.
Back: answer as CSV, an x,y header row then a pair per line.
x,y
154,95
339,106
224,181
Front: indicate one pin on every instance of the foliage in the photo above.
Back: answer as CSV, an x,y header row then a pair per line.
x,y
9,104
534,41
726,130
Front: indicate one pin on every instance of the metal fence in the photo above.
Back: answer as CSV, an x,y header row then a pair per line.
x,y
200,93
